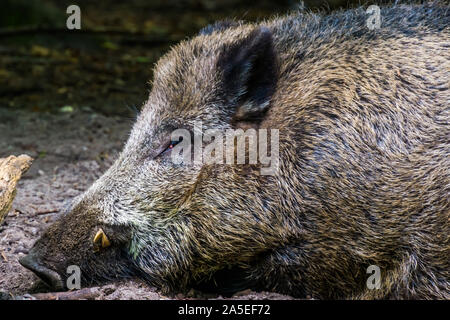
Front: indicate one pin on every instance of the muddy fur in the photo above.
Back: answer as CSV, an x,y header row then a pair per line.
x,y
364,176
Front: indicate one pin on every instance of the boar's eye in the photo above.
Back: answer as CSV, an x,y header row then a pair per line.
x,y
171,145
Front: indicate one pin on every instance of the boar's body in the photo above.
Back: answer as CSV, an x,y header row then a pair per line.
x,y
363,179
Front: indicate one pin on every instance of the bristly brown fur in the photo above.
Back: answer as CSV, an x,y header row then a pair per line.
x,y
364,175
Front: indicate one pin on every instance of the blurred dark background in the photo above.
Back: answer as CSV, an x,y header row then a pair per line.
x,y
105,67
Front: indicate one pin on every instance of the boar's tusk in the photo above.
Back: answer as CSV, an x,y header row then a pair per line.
x,y
98,235
105,241
101,236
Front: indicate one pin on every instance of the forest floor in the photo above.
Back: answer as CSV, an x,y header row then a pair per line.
x,y
71,150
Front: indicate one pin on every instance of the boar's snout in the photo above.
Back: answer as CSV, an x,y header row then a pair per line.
x,y
50,277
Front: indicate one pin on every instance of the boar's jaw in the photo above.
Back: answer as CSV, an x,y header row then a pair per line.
x,y
50,277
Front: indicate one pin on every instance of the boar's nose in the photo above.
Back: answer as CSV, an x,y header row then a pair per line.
x,y
50,277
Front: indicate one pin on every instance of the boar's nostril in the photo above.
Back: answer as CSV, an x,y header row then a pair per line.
x,y
50,277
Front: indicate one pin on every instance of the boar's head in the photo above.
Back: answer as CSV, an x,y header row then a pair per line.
x,y
175,224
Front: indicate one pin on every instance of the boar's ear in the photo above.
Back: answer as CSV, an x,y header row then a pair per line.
x,y
219,26
250,72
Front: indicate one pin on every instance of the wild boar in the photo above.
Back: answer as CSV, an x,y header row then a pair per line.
x,y
362,180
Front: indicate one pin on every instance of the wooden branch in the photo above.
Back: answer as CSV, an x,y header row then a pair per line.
x,y
11,170
83,294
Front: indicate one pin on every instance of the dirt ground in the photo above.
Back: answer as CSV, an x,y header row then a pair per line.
x,y
71,150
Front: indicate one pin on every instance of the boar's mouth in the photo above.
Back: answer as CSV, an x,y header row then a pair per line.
x,y
50,277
